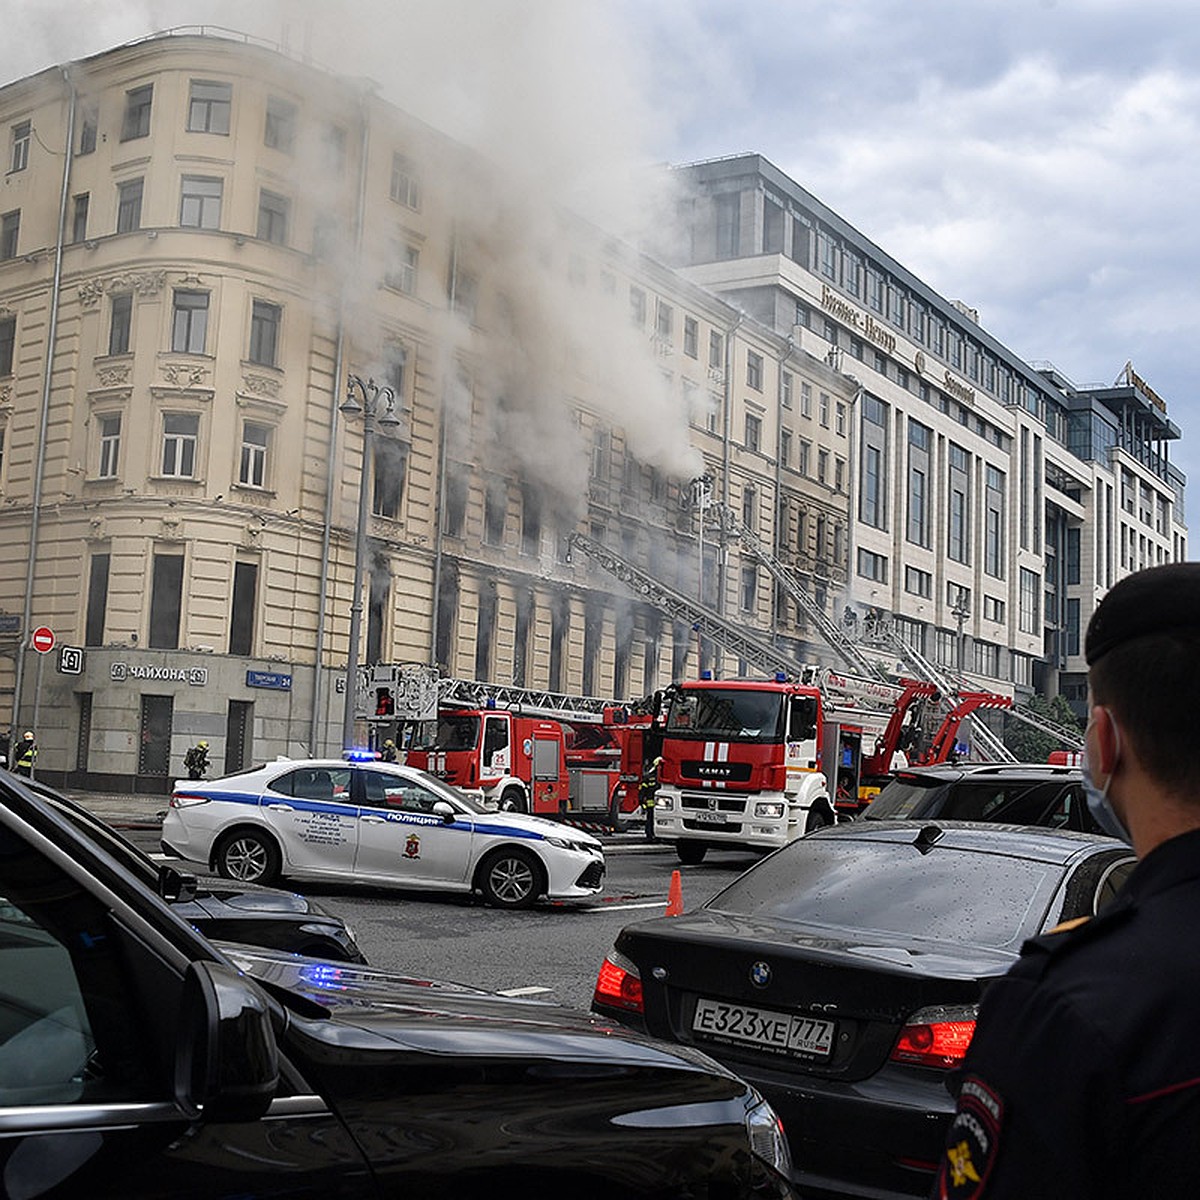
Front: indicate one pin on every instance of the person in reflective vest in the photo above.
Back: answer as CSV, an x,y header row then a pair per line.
x,y
25,754
646,791
195,761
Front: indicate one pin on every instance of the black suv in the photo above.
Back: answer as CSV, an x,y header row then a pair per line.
x,y
138,1059
1014,793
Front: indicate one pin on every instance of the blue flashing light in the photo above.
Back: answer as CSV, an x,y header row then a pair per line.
x,y
322,975
706,674
781,677
359,755
491,702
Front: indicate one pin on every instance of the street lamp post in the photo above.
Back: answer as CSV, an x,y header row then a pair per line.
x,y
374,398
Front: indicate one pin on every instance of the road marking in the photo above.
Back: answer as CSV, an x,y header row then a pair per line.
x,y
525,991
603,908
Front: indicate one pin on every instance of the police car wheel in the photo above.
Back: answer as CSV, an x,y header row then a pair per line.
x,y
512,800
511,878
248,856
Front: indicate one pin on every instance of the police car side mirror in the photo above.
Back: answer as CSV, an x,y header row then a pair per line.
x,y
443,810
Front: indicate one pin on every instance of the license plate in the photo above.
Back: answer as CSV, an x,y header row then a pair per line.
x,y
783,1033
710,818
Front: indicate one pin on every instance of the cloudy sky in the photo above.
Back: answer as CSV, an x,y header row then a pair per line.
x,y
1034,158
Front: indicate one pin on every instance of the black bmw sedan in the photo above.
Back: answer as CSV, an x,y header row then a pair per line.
x,y
841,976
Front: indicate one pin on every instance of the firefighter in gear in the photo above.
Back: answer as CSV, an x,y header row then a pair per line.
x,y
195,761
646,793
388,753
24,754
1083,1076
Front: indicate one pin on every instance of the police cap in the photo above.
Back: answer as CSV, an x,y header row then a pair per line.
x,y
1158,600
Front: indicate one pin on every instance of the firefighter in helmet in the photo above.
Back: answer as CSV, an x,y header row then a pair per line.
x,y
647,790
24,754
196,760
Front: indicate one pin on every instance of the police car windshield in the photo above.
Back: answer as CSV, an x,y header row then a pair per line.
x,y
727,714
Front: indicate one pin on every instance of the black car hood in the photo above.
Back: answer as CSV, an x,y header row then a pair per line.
x,y
224,904
370,1009
878,950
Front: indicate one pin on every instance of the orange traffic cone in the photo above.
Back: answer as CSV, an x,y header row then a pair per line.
x,y
675,896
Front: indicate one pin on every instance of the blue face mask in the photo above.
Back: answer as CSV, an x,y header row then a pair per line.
x,y
1098,803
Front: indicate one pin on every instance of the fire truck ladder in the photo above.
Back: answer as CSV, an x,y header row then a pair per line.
x,y
758,653
948,687
788,578
1070,738
470,693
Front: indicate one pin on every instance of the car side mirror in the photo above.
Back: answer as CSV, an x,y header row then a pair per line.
x,y
442,809
227,1059
176,887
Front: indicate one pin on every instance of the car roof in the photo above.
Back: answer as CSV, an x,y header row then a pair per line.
x,y
990,770
1015,841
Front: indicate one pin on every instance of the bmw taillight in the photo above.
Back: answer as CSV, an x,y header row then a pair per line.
x,y
936,1037
619,985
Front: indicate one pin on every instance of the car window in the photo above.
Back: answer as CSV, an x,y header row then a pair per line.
x,y
904,796
69,1029
381,789
865,886
314,783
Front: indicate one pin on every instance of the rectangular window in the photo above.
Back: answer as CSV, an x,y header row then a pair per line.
x,y
136,123
840,420
122,318
110,445
88,123
806,399
209,107
839,474
531,521
129,205
200,202
664,319
993,609
872,566
1030,586
97,602
79,216
403,276
785,447
8,344
728,219
265,320
189,322
993,562
691,337
166,600
786,383
823,409
754,371
457,491
10,231
805,456
405,186
333,149
20,146
918,583
252,469
871,506
272,217
241,614
390,468
637,307
753,432
749,596
180,433
280,130
822,466
495,511
772,227
750,508
716,350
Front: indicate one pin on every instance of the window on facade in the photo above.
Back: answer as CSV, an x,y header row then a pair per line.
x,y
10,231
457,487
993,562
637,307
823,409
785,447
664,319
993,609
121,307
495,511
531,520
805,456
109,427
333,149
822,466
20,146
129,205
403,273
1030,586
405,186
97,601
272,217
241,608
252,466
209,107
280,130
918,582
265,320
754,371
79,216
200,202
871,501
773,221
839,474
806,399
189,321
728,219
8,344
919,442
716,350
88,123
136,123
180,434
389,474
749,590
750,508
872,566
691,337
166,598
753,432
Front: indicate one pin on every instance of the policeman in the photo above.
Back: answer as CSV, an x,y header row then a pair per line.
x,y
25,754
1083,1078
647,790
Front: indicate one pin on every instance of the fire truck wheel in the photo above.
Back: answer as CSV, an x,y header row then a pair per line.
x,y
511,878
512,799
691,854
818,818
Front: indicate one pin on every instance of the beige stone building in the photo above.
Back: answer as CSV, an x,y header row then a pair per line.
x,y
201,241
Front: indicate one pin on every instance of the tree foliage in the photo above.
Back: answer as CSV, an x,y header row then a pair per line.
x,y
1031,744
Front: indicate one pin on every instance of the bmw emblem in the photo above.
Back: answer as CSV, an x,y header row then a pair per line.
x,y
760,974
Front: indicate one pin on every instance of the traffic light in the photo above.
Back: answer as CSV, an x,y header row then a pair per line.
x,y
385,706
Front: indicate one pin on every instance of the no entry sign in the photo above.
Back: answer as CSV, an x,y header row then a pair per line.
x,y
43,639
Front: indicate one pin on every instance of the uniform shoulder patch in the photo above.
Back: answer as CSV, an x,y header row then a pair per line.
x,y
972,1141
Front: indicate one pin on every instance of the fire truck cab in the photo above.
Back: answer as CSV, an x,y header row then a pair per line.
x,y
742,766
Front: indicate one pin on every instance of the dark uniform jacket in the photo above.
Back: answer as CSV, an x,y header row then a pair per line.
x,y
1083,1079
